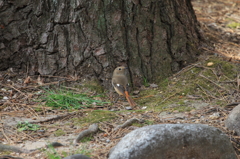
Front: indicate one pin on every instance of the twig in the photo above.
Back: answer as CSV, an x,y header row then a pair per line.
x,y
185,69
204,91
56,117
167,98
92,129
14,89
29,111
44,84
213,82
148,96
28,136
52,76
75,89
11,148
127,123
5,136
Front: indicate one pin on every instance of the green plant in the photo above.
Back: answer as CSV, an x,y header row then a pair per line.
x,y
52,153
145,82
67,99
233,25
24,126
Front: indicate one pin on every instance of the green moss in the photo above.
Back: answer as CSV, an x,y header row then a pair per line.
x,y
206,82
163,84
95,116
183,108
90,86
3,152
94,86
148,97
224,67
233,25
87,138
59,132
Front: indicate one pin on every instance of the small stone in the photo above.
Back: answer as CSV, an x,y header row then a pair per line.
x,y
3,89
215,116
153,85
145,107
128,108
5,98
136,92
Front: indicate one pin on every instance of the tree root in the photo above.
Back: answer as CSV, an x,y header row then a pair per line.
x,y
127,123
12,149
92,129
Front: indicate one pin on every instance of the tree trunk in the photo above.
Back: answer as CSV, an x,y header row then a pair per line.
x,y
154,38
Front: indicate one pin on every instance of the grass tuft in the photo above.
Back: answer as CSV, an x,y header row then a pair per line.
x,y
67,99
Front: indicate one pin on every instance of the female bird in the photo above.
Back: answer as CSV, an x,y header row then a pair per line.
x,y
120,83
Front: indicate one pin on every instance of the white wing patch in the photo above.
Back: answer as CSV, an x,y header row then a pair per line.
x,y
118,85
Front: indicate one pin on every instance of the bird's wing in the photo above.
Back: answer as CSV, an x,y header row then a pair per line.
x,y
118,87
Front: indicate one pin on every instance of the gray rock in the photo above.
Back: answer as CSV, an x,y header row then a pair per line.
x,y
233,120
77,156
174,141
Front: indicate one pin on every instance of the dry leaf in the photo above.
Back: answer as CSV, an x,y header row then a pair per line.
x,y
40,81
210,63
27,80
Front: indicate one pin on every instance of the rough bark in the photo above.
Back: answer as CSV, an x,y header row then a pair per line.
x,y
154,38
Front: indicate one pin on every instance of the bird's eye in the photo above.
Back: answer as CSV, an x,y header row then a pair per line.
x,y
119,69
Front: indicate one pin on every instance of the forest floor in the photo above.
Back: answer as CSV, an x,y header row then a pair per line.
x,y
204,92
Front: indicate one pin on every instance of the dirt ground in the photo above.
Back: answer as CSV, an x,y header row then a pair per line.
x,y
220,25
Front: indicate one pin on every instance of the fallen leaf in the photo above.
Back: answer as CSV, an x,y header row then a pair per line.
x,y
210,63
40,81
27,80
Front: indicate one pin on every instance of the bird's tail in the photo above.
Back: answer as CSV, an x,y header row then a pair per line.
x,y
129,99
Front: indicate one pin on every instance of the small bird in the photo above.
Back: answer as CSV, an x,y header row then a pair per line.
x,y
120,83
